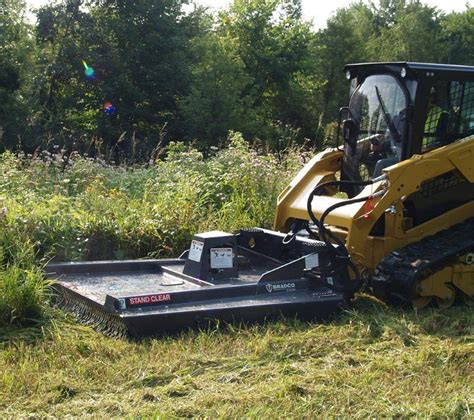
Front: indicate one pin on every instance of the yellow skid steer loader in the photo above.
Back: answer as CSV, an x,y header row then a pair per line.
x,y
391,208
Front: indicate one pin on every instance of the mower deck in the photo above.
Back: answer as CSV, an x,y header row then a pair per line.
x,y
147,297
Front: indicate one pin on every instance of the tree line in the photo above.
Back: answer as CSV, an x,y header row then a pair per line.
x,y
171,70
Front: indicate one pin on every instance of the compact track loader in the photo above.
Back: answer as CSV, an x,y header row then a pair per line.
x,y
390,209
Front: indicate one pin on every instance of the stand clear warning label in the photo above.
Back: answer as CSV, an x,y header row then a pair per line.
x,y
222,258
195,251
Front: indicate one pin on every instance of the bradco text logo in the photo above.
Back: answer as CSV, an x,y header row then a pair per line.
x,y
280,287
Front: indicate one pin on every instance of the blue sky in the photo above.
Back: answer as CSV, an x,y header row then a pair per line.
x,y
316,10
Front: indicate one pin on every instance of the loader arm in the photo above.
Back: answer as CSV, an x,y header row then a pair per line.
x,y
407,181
388,225
291,202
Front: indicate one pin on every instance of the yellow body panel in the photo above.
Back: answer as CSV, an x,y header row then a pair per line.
x,y
322,168
403,179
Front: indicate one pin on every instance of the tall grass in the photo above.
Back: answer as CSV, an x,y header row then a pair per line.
x,y
79,208
23,288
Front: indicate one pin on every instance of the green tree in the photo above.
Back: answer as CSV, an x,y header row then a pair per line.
x,y
458,30
16,62
148,64
274,45
69,104
343,41
215,103
407,31
139,51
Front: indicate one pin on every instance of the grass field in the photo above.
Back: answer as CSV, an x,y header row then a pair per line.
x,y
371,361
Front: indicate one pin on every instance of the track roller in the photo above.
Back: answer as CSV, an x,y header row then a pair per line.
x,y
421,302
446,302
418,301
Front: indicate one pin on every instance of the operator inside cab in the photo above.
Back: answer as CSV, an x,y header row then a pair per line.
x,y
392,116
390,147
374,133
436,124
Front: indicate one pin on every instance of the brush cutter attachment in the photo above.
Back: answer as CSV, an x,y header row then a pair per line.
x,y
254,275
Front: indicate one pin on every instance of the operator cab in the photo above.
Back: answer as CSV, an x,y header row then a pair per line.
x,y
400,109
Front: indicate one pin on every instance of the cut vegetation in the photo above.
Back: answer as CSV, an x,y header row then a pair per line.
x,y
372,361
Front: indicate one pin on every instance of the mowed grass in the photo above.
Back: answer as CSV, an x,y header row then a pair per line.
x,y
370,361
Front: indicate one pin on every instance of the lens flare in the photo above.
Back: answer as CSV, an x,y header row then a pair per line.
x,y
109,109
88,71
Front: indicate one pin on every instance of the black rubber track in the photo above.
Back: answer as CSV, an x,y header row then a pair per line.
x,y
397,273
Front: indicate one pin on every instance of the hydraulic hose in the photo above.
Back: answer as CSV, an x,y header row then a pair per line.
x,y
322,231
340,252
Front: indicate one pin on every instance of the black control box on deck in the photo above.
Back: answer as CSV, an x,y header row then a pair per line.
x,y
212,256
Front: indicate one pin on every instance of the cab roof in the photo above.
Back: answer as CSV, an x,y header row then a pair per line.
x,y
416,70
